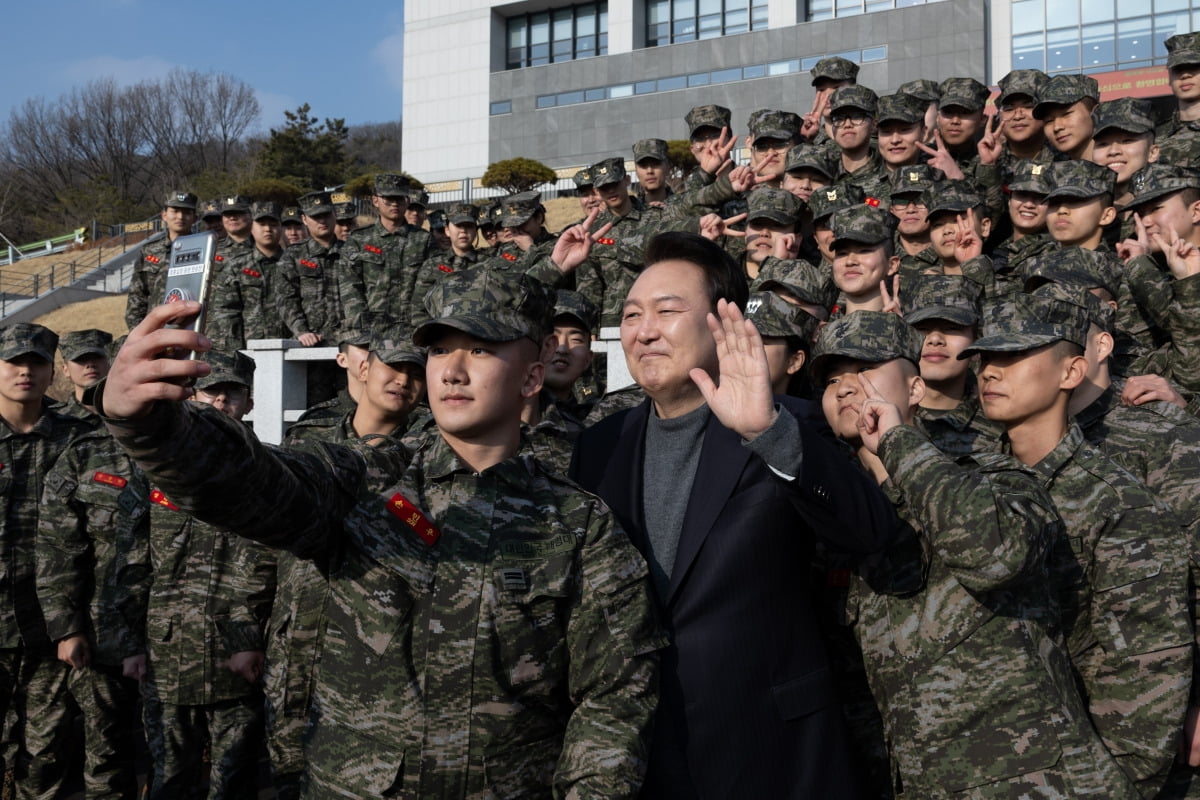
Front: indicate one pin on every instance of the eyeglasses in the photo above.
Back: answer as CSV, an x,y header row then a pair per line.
x,y
917,204
841,120
771,145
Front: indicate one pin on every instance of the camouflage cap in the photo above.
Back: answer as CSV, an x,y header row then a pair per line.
x,y
950,195
394,348
235,204
834,68
462,214
855,96
923,89
1183,48
489,214
650,148
798,279
1083,179
914,179
965,93
210,209
863,224
777,205
291,216
315,203
707,117
1029,176
610,170
389,184
1092,269
811,156
266,210
517,209
359,335
1159,180
824,202
180,199
1021,83
496,305
22,338
418,198
900,108
235,367
345,211
76,344
1063,90
1098,312
771,124
949,297
1015,323
871,336
775,317
340,197
1129,114
583,177
573,304
437,220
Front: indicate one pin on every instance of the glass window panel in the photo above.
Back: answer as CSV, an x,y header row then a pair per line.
x,y
710,7
849,55
516,58
564,23
1061,13
674,82
1099,48
875,54
1133,41
726,75
756,71
783,67
585,22
658,11
516,32
660,34
1027,16
539,54
539,28
1170,5
683,8
563,50
1166,26
624,90
820,9
907,3
603,44
546,101
878,5
585,46
1062,50
710,26
1098,11
848,8
1127,9
807,64
759,18
644,87
1029,51
502,107
570,98
591,95
698,79
736,19
684,30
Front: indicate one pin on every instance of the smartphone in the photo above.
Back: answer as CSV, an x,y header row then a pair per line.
x,y
189,277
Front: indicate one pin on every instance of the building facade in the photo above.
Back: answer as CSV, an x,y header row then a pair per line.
x,y
570,83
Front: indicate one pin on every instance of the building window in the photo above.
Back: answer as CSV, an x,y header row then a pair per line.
x,y
562,34
1067,36
675,21
828,9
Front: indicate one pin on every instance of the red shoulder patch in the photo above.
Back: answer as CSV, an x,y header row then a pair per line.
x,y
304,262
508,256
111,480
153,259
161,499
370,248
873,202
253,273
444,268
218,258
407,513
606,240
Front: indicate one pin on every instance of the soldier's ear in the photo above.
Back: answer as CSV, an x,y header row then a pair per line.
x,y
1152,157
1109,214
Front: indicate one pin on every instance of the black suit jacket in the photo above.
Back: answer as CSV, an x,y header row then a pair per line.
x,y
748,706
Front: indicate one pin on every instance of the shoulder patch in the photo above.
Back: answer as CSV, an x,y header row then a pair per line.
x,y
109,479
407,513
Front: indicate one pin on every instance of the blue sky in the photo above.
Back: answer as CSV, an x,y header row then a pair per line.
x,y
345,61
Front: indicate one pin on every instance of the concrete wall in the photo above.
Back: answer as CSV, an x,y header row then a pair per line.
x,y
938,40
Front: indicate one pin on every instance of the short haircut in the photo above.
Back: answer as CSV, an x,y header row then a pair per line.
x,y
1064,349
722,276
1189,195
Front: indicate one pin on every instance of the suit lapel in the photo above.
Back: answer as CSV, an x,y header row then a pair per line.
x,y
722,461
621,485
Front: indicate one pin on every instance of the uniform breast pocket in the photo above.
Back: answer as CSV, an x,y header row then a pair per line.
x,y
370,603
532,605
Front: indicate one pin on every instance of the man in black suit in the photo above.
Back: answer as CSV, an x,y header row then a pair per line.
x,y
723,488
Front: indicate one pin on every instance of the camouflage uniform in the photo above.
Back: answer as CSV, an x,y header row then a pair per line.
x,y
243,303
972,95
148,283
33,698
307,290
210,598
1179,140
873,177
445,261
73,346
94,509
489,633
378,271
707,116
1121,572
